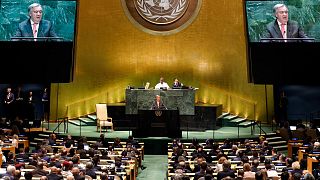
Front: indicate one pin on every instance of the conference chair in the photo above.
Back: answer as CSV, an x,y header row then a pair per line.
x,y
102,117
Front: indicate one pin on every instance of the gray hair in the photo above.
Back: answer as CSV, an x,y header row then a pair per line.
x,y
309,176
11,169
32,6
275,7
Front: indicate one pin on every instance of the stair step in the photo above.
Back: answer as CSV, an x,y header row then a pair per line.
x,y
238,120
48,131
273,138
74,122
86,120
38,139
268,134
230,117
44,135
284,147
247,123
277,142
92,116
224,114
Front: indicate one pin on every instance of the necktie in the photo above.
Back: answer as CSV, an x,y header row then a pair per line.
x,y
283,30
34,30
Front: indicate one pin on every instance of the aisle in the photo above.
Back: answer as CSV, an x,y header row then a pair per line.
x,y
156,167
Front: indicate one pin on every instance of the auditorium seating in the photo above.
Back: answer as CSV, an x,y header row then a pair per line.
x,y
130,165
235,164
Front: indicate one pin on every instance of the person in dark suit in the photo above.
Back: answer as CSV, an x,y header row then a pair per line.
x,y
30,109
8,102
54,174
227,171
176,83
158,104
282,27
35,26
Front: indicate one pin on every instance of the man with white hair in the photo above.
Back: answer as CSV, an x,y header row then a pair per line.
x,y
35,26
282,27
316,147
10,172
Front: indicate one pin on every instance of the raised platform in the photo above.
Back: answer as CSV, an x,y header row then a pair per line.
x,y
157,145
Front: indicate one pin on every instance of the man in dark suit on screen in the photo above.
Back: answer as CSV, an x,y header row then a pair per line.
x,y
282,27
158,104
35,27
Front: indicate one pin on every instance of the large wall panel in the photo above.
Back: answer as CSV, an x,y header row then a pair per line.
x,y
209,54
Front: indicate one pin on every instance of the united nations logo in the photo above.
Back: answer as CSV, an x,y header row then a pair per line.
x,y
161,16
158,113
161,11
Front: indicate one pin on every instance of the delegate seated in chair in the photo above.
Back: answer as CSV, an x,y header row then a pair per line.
x,y
102,117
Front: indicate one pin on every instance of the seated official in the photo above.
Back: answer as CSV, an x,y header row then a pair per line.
x,y
162,84
177,84
158,104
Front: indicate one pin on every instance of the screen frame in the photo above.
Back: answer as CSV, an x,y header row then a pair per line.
x,y
58,74
285,70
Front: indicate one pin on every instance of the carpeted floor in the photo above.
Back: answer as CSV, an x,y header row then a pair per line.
x,y
157,166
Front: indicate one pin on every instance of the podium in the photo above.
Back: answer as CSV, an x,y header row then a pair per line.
x,y
157,123
287,40
36,38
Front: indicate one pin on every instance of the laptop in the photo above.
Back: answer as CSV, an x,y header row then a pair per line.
x,y
293,128
176,87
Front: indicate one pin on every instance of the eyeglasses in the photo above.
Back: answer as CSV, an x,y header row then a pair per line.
x,y
37,12
283,12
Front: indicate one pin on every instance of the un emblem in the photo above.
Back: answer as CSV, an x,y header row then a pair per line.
x,y
161,11
161,16
158,113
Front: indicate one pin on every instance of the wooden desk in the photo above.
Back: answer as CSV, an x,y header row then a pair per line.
x,y
25,143
310,160
301,152
292,144
9,148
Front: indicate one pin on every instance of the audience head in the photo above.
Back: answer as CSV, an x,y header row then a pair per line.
x,y
255,163
308,176
259,175
295,165
285,175
11,169
246,167
226,165
203,165
43,178
75,171
240,173
70,177
89,165
222,160
296,176
104,176
28,175
289,162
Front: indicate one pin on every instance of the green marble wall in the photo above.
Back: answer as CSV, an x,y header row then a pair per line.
x,y
306,12
61,13
139,99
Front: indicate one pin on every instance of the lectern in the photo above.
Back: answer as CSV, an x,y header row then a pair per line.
x,y
157,123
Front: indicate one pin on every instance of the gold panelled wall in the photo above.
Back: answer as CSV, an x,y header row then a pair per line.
x,y
112,53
